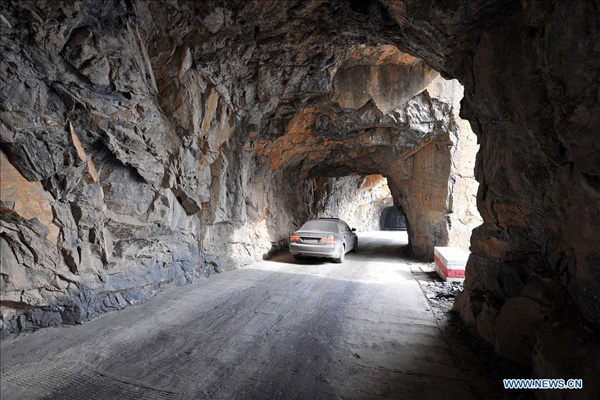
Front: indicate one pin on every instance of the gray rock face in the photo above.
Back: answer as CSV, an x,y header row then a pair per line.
x,y
169,135
358,200
530,74
156,143
82,114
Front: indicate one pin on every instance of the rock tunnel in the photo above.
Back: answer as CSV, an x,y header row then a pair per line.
x,y
155,143
392,218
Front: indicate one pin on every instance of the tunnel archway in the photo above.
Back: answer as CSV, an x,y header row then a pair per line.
x,y
425,149
393,219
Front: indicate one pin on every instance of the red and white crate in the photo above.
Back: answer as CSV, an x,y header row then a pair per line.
x,y
450,263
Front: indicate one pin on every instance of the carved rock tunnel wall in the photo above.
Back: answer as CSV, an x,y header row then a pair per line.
x,y
143,133
358,200
133,157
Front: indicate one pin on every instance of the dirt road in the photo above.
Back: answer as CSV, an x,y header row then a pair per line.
x,y
279,329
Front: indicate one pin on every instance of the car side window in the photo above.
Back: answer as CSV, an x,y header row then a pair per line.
x,y
345,227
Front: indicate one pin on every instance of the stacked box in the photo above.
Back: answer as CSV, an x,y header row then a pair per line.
x,y
450,263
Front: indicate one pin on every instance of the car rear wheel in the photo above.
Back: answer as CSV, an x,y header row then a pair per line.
x,y
298,257
342,256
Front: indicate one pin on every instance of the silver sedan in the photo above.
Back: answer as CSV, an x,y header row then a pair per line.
x,y
323,237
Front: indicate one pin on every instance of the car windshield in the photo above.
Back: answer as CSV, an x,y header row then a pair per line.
x,y
320,226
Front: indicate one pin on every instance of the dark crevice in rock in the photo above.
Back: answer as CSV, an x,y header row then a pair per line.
x,y
593,181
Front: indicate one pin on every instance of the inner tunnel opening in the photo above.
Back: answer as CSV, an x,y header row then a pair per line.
x,y
387,114
392,218
362,202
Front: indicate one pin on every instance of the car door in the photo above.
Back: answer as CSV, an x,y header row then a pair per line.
x,y
353,238
348,240
343,233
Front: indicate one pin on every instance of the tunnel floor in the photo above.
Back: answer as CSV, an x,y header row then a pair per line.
x,y
279,329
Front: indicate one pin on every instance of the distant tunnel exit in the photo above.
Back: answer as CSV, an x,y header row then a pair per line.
x,y
392,219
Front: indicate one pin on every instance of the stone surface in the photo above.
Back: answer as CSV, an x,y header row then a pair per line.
x,y
530,75
358,200
538,159
569,353
415,144
382,75
157,143
27,199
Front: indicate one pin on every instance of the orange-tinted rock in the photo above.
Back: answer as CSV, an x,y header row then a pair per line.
x,y
385,76
28,199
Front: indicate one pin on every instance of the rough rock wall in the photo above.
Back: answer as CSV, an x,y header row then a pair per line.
x,y
121,171
434,182
134,124
463,214
358,200
161,138
139,119
530,71
421,185
414,146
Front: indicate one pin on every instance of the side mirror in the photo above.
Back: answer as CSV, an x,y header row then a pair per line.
x,y
353,229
